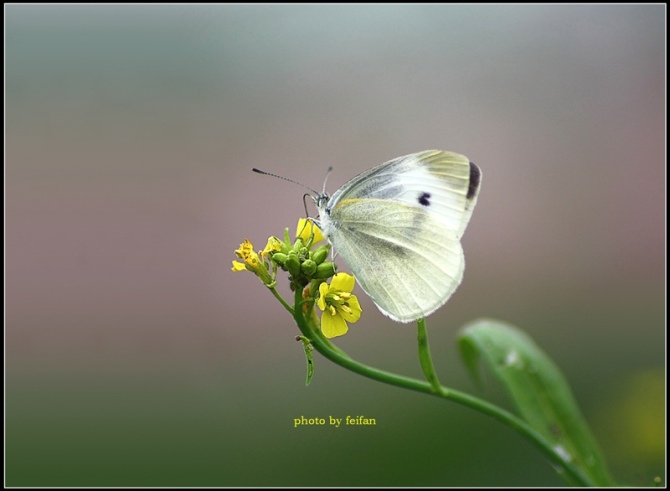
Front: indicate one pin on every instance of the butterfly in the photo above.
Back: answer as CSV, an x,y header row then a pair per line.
x,y
398,226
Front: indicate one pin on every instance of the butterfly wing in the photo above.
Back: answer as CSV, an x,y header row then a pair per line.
x,y
398,227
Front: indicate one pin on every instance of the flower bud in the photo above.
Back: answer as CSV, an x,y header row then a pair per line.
x,y
299,244
303,253
320,254
292,263
308,267
279,258
325,270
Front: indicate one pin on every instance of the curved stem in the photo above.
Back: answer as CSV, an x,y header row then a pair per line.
x,y
425,357
323,346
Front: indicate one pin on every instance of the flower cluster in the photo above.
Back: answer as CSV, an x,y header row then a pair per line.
x,y
308,270
301,262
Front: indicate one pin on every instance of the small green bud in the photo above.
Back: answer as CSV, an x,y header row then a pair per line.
x,y
292,263
320,254
299,244
279,258
308,267
325,270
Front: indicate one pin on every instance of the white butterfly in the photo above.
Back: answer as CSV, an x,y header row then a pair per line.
x,y
398,226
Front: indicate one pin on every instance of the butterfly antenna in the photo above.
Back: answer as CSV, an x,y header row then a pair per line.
x,y
305,202
285,179
330,169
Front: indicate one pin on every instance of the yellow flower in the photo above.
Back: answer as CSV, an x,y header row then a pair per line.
x,y
246,253
305,229
251,262
273,245
338,305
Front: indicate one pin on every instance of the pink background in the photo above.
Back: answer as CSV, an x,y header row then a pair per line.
x,y
130,137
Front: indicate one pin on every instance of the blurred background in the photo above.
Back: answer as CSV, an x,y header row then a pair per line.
x,y
136,357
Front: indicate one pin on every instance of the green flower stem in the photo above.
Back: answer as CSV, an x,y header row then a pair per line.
x,y
323,346
426,359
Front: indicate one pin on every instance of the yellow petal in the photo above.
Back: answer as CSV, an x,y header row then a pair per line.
x,y
333,325
273,245
343,282
305,229
353,313
252,260
318,235
323,289
354,305
238,266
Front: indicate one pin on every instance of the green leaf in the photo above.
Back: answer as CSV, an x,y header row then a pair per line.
x,y
538,389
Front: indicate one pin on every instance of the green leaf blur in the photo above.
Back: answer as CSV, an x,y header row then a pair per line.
x,y
538,389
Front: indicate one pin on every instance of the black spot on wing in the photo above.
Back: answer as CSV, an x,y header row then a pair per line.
x,y
424,199
475,176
